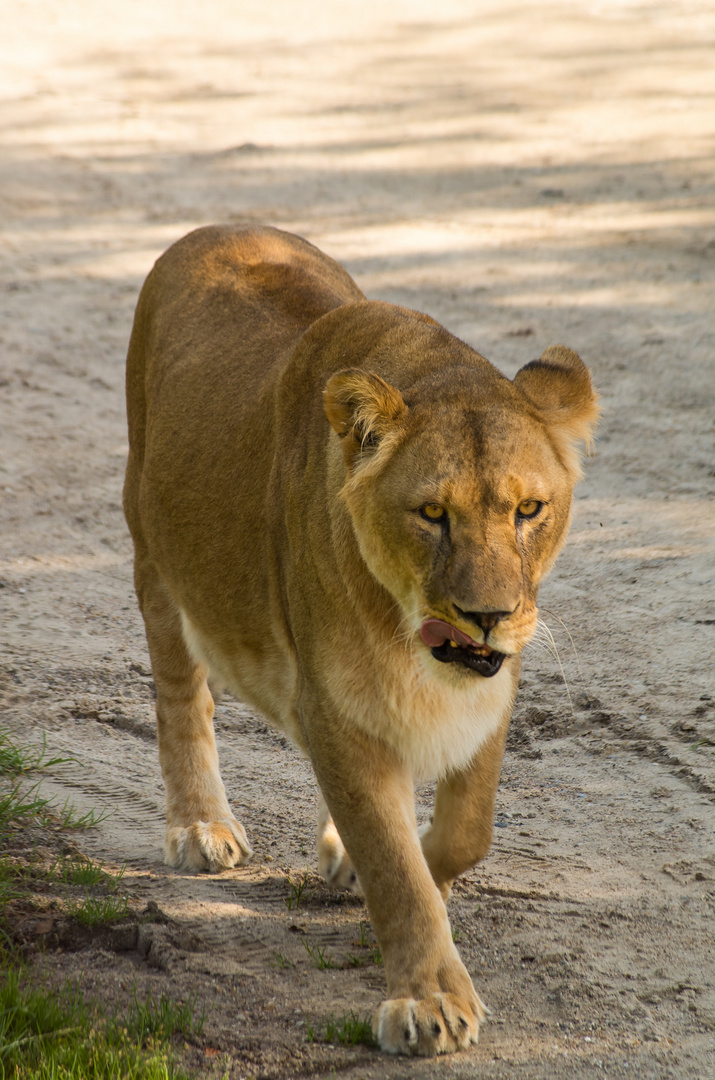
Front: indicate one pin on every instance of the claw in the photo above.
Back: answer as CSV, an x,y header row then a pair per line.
x,y
440,1024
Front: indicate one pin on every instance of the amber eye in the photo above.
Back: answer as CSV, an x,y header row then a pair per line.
x,y
433,511
529,508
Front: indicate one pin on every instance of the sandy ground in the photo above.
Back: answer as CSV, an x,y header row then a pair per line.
x,y
528,173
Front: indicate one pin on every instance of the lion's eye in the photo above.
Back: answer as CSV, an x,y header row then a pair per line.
x,y
529,508
433,511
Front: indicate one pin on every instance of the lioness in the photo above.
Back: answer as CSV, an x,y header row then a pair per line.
x,y
344,513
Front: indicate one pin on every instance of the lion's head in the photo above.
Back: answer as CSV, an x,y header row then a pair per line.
x,y
459,488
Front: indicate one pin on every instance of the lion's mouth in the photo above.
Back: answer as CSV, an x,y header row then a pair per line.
x,y
452,646
482,659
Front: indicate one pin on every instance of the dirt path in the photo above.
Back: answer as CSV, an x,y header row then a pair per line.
x,y
528,174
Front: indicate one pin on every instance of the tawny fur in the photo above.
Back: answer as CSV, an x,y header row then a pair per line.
x,y
284,435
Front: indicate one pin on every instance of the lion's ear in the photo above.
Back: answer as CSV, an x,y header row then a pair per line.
x,y
363,409
559,385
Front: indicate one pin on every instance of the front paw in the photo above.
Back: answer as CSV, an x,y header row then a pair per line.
x,y
212,846
439,1024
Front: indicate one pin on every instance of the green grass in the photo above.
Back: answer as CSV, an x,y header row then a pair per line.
x,y
281,961
319,956
79,870
70,818
17,877
18,807
349,1030
13,876
97,910
296,890
22,808
373,953
364,941
54,1035
16,760
372,956
346,1030
161,1018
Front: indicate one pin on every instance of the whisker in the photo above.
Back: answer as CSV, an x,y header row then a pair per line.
x,y
541,642
402,631
551,638
573,643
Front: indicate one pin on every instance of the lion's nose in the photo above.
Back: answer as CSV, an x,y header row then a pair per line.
x,y
485,620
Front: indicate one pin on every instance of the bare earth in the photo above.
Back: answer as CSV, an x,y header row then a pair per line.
x,y
528,173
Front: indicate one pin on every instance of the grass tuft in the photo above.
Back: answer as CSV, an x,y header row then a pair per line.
x,y
364,941
296,890
376,954
70,818
19,808
162,1018
346,1030
281,961
373,951
319,956
79,870
17,760
96,910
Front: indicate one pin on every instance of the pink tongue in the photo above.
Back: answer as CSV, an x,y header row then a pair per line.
x,y
434,632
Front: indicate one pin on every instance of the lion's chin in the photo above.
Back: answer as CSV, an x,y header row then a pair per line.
x,y
485,662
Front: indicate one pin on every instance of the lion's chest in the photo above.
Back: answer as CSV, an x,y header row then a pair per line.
x,y
436,726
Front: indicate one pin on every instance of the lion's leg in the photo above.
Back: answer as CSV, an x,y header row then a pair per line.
x,y
201,831
460,833
333,860
431,1005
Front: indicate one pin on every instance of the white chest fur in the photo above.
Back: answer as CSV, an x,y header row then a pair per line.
x,y
433,716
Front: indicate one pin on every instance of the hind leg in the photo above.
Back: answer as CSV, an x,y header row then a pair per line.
x,y
201,831
333,860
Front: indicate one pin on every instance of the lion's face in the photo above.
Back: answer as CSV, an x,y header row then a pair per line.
x,y
460,501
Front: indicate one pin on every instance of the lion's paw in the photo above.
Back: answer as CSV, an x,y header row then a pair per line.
x,y
334,862
440,1024
208,845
